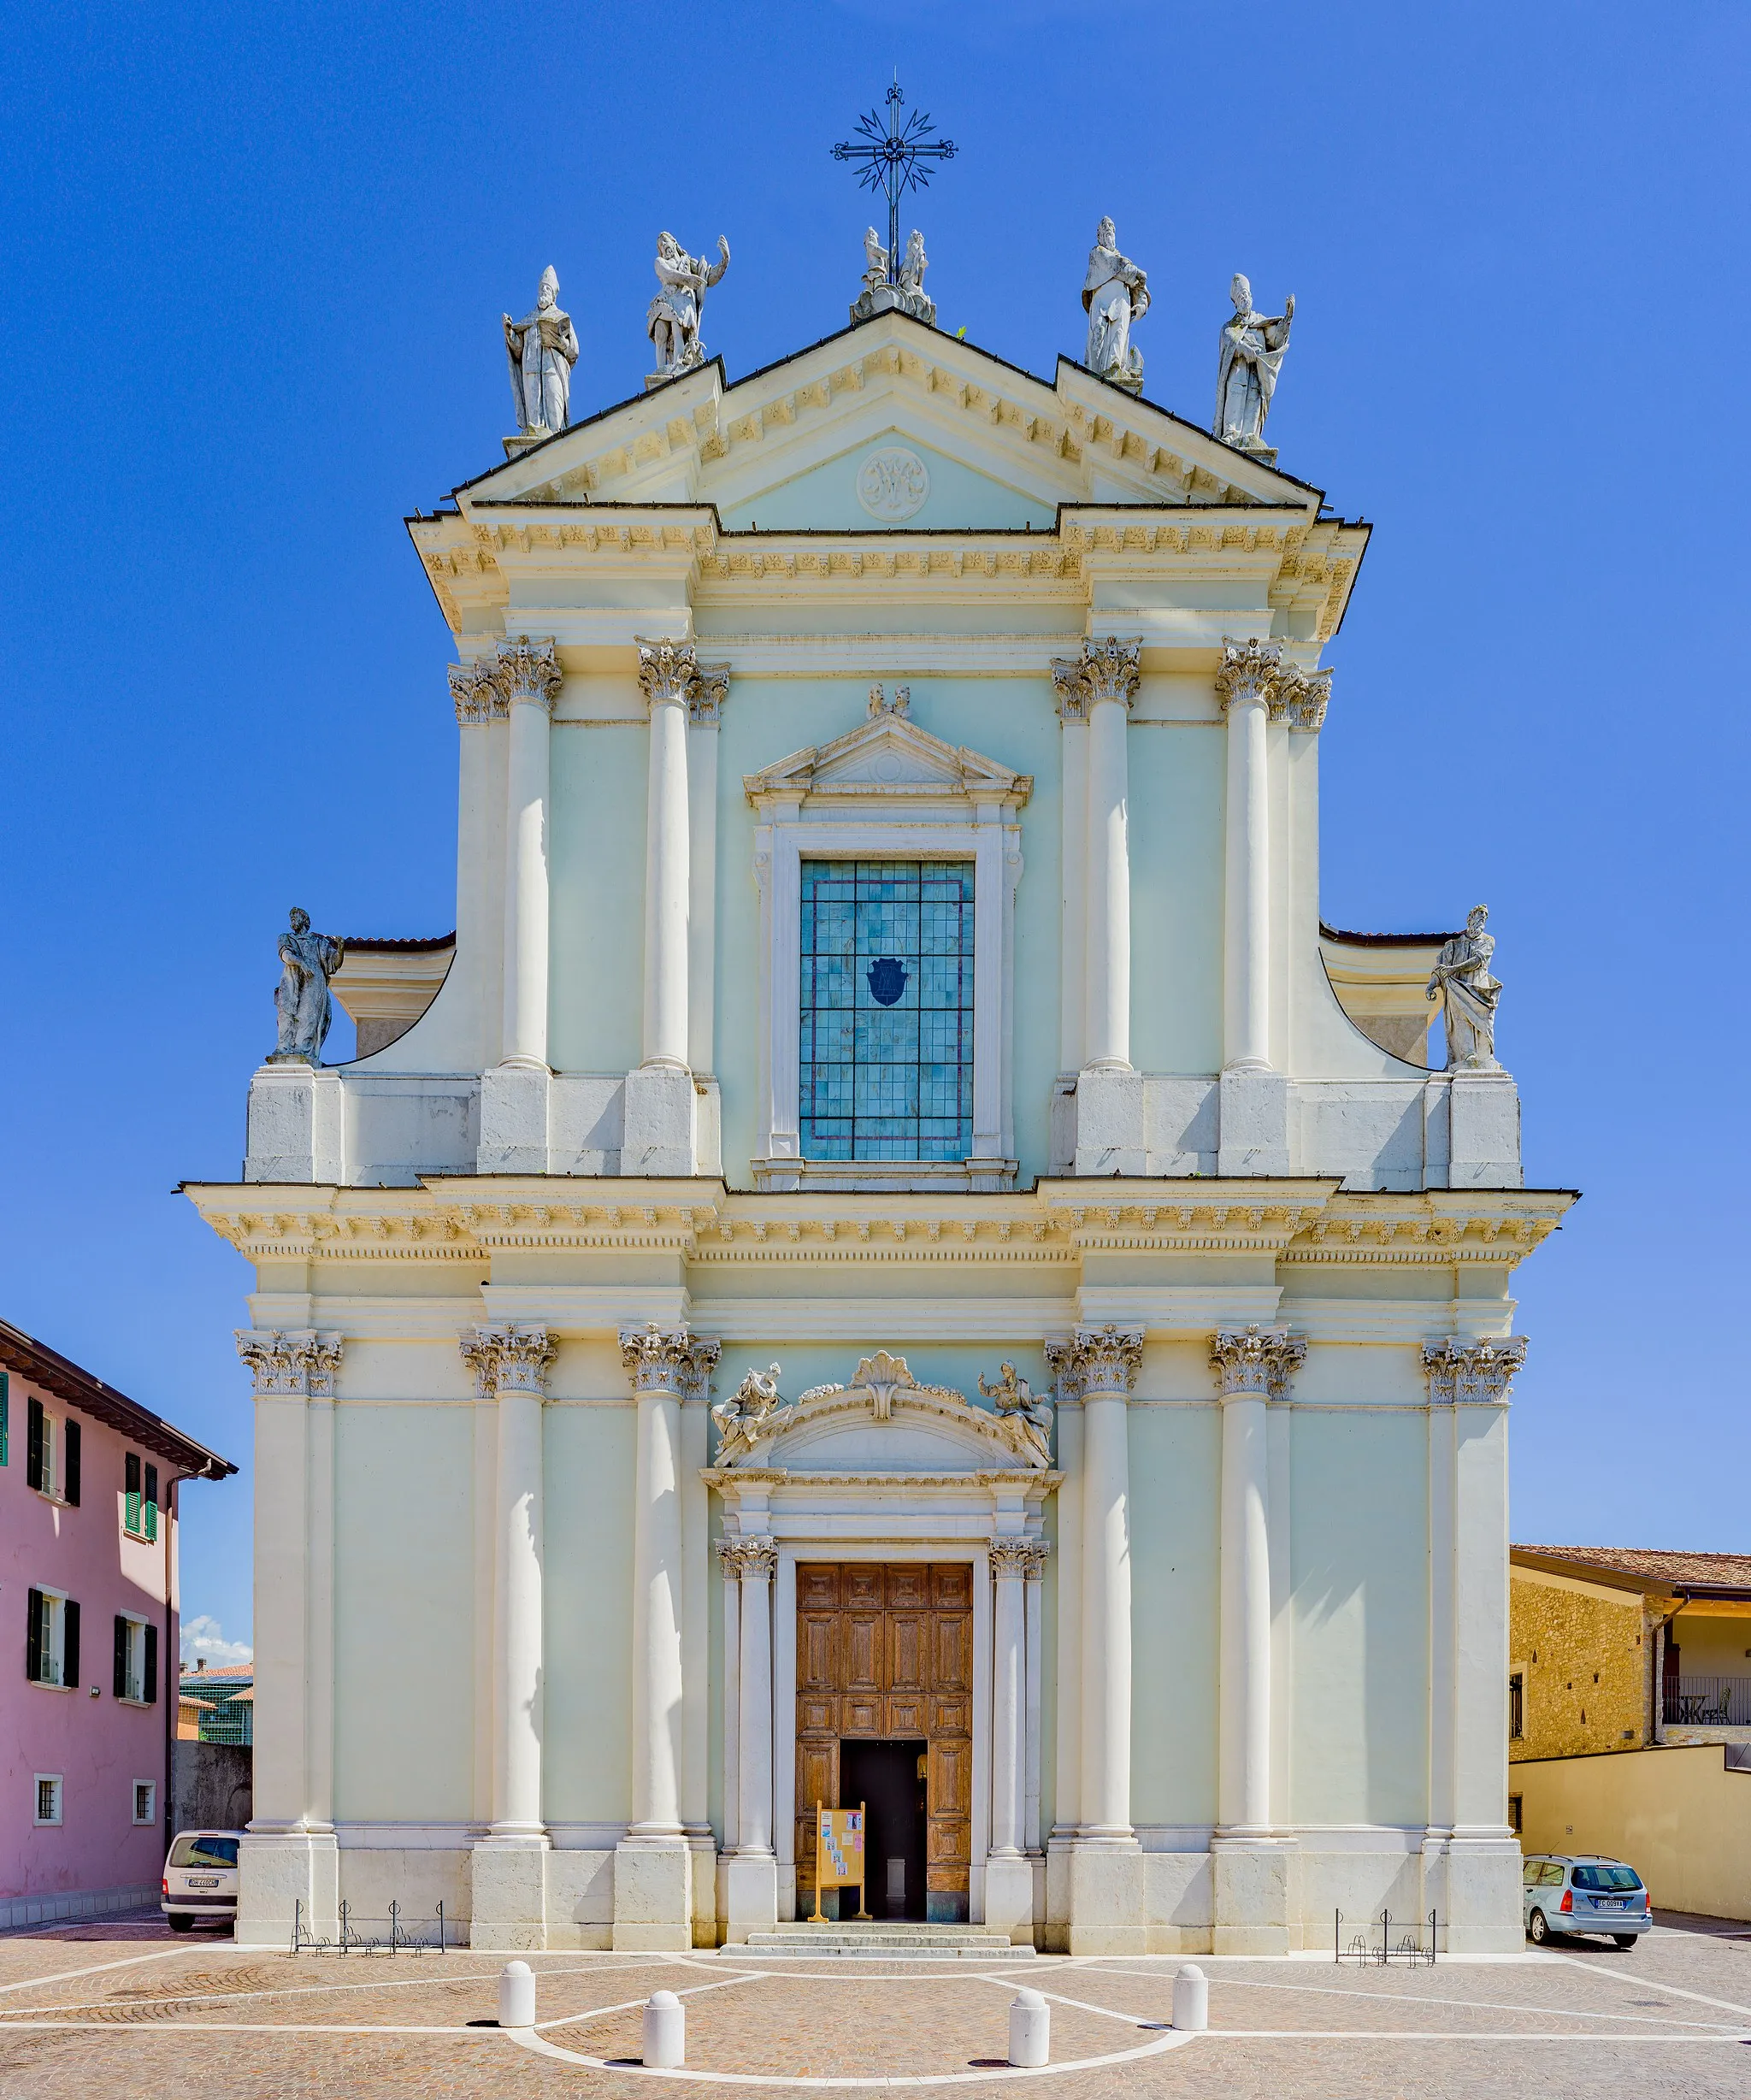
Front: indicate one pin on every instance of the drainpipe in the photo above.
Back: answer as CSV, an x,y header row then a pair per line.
x,y
172,1663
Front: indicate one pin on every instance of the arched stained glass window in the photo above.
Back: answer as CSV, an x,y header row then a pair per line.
x,y
887,981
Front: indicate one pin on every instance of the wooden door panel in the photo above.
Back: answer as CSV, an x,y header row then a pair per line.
x,y
861,1648
905,1714
817,1586
817,1714
908,1650
860,1587
907,1587
862,1715
949,1714
815,1642
952,1661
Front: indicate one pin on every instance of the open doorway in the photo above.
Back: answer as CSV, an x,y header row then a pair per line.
x,y
890,1779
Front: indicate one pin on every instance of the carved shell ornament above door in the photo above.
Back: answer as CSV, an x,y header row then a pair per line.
x,y
893,484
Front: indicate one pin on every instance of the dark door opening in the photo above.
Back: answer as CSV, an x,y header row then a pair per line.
x,y
890,1779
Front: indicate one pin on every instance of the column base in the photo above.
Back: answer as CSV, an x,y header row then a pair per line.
x,y
1008,1896
1252,1129
508,1897
514,1119
1250,1878
1482,1912
749,1886
287,1874
1106,1913
659,1132
653,1896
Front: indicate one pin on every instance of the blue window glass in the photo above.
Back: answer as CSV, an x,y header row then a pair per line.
x,y
887,978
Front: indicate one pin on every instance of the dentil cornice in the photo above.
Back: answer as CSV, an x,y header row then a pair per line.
x,y
1255,1361
1472,1373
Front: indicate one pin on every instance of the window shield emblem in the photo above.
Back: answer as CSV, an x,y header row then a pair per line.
x,y
888,979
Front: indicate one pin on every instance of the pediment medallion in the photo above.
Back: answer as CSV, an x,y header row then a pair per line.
x,y
889,757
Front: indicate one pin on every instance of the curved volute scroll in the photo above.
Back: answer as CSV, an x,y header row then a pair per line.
x,y
756,1421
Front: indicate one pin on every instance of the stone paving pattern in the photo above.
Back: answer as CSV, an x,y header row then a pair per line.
x,y
209,2021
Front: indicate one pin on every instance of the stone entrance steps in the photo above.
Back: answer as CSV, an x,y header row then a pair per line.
x,y
884,1940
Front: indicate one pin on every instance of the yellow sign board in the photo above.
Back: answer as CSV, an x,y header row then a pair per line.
x,y
839,1854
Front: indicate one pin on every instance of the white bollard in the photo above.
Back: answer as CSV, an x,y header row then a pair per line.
x,y
1029,2031
665,2032
1191,2000
516,1995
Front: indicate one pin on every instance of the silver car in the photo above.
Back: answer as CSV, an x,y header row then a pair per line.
x,y
200,1877
1583,1892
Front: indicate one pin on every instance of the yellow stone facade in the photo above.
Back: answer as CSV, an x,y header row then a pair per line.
x,y
1583,1655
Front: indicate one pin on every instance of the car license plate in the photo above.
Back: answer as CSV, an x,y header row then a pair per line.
x,y
201,1881
1615,1902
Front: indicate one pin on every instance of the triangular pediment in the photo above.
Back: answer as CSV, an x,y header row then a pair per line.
x,y
1001,449
889,755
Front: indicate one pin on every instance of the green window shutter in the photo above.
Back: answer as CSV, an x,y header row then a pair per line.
x,y
70,1441
149,1676
69,1643
118,1683
33,1637
33,1442
131,1491
152,1509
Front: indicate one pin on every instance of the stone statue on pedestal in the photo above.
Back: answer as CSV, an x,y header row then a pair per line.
x,y
542,347
672,321
1252,347
903,292
1469,995
1015,1397
308,962
1116,293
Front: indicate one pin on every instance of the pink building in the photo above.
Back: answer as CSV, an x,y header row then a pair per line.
x,y
88,1637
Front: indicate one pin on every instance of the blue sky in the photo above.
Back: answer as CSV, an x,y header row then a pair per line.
x,y
255,261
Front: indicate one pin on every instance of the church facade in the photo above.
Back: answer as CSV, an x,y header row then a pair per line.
x,y
890,1259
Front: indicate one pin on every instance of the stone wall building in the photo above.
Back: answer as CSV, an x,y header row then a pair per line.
x,y
887,950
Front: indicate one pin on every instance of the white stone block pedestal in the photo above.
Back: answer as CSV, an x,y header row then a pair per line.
x,y
653,1896
296,1121
1106,1898
1253,1895
508,1900
278,1872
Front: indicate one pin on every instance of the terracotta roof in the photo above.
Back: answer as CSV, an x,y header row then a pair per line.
x,y
1666,1570
37,1363
231,1673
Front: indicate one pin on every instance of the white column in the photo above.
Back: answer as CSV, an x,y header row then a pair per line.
x,y
1104,678
1252,1366
484,1676
1108,1361
1248,686
1468,1392
528,675
1009,1564
759,1559
511,1362
1073,876
705,715
667,672
289,1855
1035,1645
1067,1763
727,1555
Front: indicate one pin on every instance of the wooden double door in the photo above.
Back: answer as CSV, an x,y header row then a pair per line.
x,y
885,1653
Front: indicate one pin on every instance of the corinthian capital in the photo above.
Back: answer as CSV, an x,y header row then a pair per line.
x,y
710,689
1061,1362
1020,1558
1461,1372
527,671
1249,670
298,1360
1106,1360
665,1360
474,689
1302,698
1256,1360
1106,670
744,1559
508,1359
671,670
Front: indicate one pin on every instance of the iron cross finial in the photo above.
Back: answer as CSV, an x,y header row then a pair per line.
x,y
891,153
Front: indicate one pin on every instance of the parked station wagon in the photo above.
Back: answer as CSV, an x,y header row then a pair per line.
x,y
1583,1893
200,1877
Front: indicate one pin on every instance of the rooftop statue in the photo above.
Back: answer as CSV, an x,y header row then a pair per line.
x,y
672,322
1116,293
1469,995
542,347
1252,347
902,292
307,961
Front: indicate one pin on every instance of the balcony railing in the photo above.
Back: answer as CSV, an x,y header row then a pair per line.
x,y
1708,1701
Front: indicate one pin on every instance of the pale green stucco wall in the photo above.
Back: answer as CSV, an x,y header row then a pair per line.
x,y
825,498
588,1597
404,1566
1177,773
1359,1565
596,925
1175,1453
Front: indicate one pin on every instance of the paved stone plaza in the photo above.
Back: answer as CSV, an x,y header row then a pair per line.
x,y
96,2008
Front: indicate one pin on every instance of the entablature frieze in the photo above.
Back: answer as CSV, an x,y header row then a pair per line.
x,y
1303,1224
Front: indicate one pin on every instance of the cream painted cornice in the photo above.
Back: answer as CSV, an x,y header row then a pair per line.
x,y
467,1221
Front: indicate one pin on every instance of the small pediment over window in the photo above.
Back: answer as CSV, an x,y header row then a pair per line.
x,y
889,758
